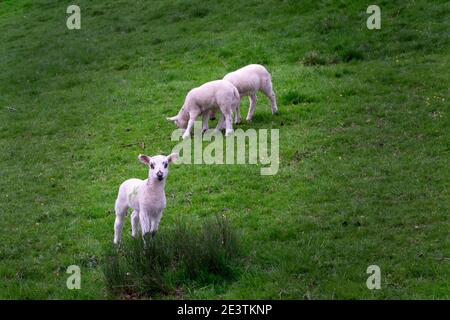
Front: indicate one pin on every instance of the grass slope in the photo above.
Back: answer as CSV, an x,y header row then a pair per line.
x,y
364,141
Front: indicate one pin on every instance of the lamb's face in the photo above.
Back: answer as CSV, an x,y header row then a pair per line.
x,y
180,120
181,123
158,165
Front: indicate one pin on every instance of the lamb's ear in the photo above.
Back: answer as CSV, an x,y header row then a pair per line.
x,y
144,159
174,118
172,157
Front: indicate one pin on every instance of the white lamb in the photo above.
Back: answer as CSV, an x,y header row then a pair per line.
x,y
249,80
213,96
145,197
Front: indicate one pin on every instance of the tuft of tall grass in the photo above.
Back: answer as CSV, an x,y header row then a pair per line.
x,y
173,258
314,58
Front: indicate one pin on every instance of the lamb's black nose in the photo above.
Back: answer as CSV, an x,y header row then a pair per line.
x,y
159,174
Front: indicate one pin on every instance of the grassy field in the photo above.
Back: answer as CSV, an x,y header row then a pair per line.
x,y
364,124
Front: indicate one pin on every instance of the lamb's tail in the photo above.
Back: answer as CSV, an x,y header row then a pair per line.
x,y
236,93
238,99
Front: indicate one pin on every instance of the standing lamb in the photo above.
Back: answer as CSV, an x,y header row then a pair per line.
x,y
249,80
145,197
213,96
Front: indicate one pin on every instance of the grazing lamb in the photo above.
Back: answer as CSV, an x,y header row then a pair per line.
x,y
218,95
249,80
145,197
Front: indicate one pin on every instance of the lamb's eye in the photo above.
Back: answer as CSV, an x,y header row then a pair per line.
x,y
152,166
165,164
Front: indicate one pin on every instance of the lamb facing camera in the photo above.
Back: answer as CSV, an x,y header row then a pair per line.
x,y
146,197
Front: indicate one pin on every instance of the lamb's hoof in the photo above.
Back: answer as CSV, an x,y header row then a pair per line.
x,y
249,119
229,133
274,112
185,136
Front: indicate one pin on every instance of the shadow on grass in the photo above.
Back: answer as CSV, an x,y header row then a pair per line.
x,y
181,256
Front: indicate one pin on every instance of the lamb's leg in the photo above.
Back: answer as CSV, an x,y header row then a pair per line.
x,y
251,109
121,210
134,223
205,125
187,133
155,225
145,221
228,124
238,114
268,91
220,124
192,117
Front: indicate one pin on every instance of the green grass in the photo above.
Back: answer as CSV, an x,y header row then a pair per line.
x,y
177,257
364,142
